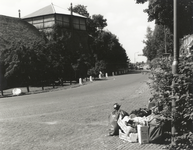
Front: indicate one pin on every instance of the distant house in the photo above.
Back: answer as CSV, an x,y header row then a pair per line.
x,y
45,18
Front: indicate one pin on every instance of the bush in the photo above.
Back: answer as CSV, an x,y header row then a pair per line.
x,y
99,66
182,91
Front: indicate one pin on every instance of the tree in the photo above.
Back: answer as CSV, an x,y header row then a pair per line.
x,y
158,42
108,48
104,46
149,50
163,40
162,12
99,21
182,92
22,63
80,9
94,23
17,38
3,82
99,66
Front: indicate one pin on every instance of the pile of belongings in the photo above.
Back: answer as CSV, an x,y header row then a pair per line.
x,y
143,125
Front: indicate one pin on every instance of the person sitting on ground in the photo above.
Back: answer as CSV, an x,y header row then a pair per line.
x,y
112,119
121,112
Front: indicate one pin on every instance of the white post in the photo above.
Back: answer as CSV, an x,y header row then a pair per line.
x,y
99,76
91,78
80,81
106,75
113,74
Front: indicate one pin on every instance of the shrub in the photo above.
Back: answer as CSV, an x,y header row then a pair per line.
x,y
182,91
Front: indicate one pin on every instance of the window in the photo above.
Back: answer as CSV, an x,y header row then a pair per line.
x,y
48,24
79,23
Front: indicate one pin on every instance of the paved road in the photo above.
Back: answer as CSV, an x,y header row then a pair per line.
x,y
74,118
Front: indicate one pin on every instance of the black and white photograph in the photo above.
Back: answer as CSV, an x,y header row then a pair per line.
x,y
96,74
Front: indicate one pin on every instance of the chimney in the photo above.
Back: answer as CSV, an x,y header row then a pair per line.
x,y
19,13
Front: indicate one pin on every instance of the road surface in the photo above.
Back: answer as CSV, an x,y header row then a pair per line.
x,y
73,118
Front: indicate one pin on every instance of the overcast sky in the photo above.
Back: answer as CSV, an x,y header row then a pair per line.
x,y
125,18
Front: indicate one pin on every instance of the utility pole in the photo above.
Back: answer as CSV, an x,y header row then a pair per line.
x,y
165,39
174,70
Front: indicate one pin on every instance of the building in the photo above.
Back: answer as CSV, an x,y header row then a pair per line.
x,y
45,18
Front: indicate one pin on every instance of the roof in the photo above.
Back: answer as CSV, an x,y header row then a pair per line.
x,y
51,9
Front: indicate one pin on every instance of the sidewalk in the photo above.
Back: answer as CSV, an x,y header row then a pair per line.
x,y
139,99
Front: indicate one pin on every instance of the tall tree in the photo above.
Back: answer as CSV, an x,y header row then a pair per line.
x,y
22,63
162,12
149,50
108,48
163,40
158,42
105,47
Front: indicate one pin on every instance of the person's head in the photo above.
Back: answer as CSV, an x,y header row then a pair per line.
x,y
116,106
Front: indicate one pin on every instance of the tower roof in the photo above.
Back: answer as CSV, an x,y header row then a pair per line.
x,y
51,9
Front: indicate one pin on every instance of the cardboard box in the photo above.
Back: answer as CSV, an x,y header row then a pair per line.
x,y
131,138
143,136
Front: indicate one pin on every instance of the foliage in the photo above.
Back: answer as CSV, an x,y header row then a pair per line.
x,y
158,42
181,90
94,23
81,66
107,47
161,11
99,21
149,50
80,9
103,44
23,62
163,40
64,55
99,66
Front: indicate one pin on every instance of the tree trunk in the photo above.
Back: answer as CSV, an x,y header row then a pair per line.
x,y
27,88
61,82
2,92
42,83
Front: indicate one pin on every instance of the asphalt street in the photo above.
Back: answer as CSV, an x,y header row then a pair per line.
x,y
72,118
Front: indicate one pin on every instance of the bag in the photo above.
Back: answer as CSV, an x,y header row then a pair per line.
x,y
122,113
113,125
127,129
156,131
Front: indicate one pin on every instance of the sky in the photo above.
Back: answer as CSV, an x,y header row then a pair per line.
x,y
125,18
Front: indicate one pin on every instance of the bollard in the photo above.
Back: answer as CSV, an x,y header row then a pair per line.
x,y
106,75
113,74
80,81
91,78
99,76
